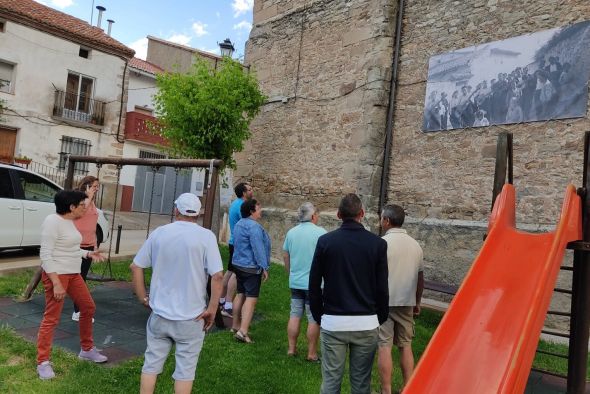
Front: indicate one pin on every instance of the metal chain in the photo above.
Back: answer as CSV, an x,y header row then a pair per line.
x,y
155,170
98,168
113,221
177,170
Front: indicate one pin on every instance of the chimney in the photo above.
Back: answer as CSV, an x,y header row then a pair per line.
x,y
100,11
110,26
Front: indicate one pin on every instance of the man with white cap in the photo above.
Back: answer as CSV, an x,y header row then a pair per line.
x,y
181,254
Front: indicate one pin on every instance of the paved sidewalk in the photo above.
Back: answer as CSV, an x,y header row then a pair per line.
x,y
133,234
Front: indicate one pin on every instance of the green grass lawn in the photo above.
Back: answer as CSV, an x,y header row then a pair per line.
x,y
225,366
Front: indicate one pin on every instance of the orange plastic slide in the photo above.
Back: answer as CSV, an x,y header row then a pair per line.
x,y
486,341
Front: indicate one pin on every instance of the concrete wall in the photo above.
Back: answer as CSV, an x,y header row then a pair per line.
x,y
173,57
142,88
326,66
42,63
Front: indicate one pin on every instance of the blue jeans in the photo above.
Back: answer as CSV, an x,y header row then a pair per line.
x,y
335,345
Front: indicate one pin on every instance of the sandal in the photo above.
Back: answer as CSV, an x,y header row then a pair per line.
x,y
316,360
241,337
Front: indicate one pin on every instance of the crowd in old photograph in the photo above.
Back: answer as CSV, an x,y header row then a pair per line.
x,y
513,97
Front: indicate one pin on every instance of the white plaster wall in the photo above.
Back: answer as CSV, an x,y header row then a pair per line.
x,y
141,90
42,63
130,149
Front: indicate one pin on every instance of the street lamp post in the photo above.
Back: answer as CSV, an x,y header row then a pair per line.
x,y
226,47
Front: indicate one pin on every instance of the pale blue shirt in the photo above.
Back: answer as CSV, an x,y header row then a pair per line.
x,y
300,243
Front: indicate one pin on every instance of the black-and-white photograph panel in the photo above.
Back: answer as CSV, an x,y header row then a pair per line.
x,y
529,78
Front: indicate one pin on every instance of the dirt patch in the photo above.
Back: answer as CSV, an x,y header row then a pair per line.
x,y
15,360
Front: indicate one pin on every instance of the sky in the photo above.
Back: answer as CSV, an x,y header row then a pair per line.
x,y
199,24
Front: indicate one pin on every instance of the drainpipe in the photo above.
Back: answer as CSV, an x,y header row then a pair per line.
x,y
391,108
121,107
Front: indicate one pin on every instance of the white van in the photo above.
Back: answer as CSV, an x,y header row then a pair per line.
x,y
26,199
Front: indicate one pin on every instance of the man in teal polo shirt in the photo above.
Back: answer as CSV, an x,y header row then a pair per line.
x,y
298,249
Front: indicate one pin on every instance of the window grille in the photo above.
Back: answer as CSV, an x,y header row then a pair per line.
x,y
74,146
143,154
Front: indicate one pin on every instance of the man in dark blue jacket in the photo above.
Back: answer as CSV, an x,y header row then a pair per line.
x,y
352,262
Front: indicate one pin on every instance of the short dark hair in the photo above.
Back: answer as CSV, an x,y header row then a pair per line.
x,y
240,189
350,206
394,214
66,198
248,207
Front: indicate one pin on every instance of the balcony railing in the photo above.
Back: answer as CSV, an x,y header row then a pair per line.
x,y
136,128
79,108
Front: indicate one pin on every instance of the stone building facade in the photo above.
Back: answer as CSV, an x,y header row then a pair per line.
x,y
326,67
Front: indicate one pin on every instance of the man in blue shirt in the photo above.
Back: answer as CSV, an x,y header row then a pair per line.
x,y
243,192
298,249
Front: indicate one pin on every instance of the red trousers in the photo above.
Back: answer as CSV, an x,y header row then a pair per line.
x,y
75,288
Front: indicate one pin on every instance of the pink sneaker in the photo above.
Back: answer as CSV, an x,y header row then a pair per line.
x,y
45,371
92,355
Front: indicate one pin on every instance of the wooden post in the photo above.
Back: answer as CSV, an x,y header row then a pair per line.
x,y
580,306
503,157
210,200
33,283
69,183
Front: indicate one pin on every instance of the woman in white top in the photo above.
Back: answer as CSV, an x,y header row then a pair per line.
x,y
60,259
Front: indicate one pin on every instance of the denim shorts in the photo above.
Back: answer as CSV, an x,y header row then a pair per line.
x,y
247,283
300,301
161,334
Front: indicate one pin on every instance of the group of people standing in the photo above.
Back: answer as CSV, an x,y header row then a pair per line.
x,y
360,292
513,97
364,292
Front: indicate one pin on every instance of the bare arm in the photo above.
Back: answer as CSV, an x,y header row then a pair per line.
x,y
287,261
419,290
139,284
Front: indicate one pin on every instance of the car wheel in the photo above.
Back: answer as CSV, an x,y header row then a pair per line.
x,y
99,236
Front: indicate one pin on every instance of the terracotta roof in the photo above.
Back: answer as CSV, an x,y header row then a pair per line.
x,y
147,67
186,48
40,17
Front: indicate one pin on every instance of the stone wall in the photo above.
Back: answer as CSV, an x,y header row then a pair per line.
x,y
326,65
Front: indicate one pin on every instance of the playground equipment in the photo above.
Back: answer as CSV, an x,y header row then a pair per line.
x,y
486,341
212,166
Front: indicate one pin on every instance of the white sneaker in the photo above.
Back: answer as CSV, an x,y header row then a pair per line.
x,y
76,316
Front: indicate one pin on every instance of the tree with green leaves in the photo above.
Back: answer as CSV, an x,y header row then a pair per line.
x,y
206,113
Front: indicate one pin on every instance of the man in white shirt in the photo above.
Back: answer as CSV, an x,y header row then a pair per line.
x,y
181,254
406,283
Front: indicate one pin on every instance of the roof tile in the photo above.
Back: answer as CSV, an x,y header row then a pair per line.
x,y
49,20
145,66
